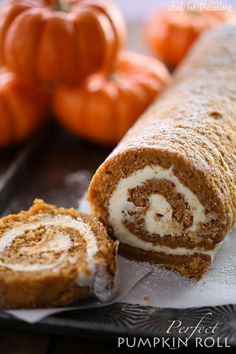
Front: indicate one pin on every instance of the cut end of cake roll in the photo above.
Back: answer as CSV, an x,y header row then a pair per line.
x,y
168,191
53,256
158,206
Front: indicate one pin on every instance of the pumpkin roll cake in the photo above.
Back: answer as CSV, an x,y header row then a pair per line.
x,y
53,256
168,191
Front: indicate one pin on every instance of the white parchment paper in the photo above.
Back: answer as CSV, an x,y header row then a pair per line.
x,y
163,288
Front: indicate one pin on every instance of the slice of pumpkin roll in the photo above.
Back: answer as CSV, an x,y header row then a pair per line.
x,y
53,256
168,191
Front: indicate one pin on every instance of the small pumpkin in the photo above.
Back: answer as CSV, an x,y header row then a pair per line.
x,y
59,41
105,107
23,107
170,34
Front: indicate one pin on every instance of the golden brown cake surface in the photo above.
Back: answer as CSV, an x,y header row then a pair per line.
x,y
53,256
169,188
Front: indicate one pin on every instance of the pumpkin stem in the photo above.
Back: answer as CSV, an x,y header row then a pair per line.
x,y
61,5
115,76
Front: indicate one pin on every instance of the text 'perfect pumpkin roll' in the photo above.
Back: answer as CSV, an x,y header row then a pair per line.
x,y
52,256
168,191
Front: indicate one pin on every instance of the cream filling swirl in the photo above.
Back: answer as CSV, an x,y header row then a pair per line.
x,y
119,206
61,242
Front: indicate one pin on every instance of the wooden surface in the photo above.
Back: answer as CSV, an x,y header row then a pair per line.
x,y
19,342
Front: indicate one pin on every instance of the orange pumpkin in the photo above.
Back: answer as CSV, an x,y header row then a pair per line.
x,y
22,108
59,41
170,34
104,108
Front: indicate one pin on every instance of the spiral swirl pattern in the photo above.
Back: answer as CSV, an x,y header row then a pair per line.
x,y
46,243
151,205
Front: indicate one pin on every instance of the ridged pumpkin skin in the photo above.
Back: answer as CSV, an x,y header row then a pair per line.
x,y
50,46
170,34
23,108
104,108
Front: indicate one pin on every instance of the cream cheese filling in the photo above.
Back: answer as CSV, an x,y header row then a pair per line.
x,y
61,242
119,206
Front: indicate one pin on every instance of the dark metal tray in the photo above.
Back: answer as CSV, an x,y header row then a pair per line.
x,y
56,167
